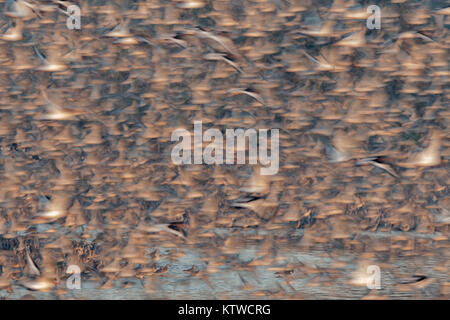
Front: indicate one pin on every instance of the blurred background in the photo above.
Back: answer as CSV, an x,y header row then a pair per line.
x,y
86,117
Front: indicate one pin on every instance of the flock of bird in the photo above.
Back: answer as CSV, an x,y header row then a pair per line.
x,y
86,117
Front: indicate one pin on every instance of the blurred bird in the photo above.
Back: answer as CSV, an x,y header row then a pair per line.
x,y
51,64
430,156
14,33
